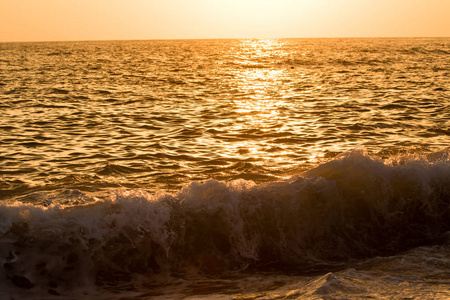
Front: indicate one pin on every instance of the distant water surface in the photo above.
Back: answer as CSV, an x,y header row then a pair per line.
x,y
187,158
158,114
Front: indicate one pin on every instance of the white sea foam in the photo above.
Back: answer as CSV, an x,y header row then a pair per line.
x,y
351,207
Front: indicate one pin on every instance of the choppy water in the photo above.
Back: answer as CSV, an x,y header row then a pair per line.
x,y
253,169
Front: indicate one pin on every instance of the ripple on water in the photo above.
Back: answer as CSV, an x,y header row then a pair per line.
x,y
124,111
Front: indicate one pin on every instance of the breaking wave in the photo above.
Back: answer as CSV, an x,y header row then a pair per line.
x,y
351,207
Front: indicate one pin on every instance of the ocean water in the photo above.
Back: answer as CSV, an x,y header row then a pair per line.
x,y
225,169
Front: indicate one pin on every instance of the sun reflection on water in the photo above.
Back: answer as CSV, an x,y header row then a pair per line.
x,y
259,80
260,104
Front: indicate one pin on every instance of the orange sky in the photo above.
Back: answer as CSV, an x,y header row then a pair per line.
x,y
57,20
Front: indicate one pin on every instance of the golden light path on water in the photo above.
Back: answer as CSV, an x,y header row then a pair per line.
x,y
160,114
263,106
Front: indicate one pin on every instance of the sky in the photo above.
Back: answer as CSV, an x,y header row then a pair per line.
x,y
71,20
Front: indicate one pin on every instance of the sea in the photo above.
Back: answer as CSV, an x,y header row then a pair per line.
x,y
242,169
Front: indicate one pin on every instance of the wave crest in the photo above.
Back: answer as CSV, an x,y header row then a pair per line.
x,y
351,207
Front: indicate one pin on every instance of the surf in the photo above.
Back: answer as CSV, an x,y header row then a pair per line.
x,y
349,208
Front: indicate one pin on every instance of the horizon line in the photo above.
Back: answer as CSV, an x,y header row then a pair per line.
x,y
229,38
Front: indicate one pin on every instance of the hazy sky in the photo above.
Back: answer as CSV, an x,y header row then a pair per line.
x,y
52,20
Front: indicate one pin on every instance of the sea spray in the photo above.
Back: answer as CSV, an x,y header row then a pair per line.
x,y
348,208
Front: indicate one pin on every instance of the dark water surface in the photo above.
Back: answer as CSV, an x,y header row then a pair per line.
x,y
253,169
